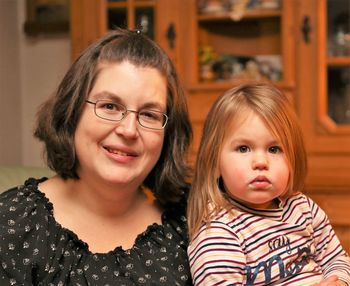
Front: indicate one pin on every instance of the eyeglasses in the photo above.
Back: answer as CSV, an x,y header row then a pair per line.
x,y
112,111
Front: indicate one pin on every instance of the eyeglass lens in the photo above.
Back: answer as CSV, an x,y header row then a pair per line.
x,y
116,112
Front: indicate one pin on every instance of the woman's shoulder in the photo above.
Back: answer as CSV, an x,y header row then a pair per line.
x,y
23,205
174,222
22,195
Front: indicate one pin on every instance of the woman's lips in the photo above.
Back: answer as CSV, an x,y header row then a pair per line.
x,y
118,152
120,155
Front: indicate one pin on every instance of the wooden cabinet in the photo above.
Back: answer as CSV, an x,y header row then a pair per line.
x,y
90,19
223,49
323,94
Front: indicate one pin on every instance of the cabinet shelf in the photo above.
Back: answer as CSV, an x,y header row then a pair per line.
x,y
250,45
338,61
124,4
251,14
227,84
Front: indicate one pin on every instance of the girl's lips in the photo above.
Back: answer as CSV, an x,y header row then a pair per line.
x,y
260,182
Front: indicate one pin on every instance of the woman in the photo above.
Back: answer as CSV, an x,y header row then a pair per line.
x,y
116,127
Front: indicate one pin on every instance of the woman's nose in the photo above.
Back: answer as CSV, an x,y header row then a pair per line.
x,y
128,125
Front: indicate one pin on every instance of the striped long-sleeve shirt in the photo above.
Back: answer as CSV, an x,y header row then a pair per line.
x,y
292,245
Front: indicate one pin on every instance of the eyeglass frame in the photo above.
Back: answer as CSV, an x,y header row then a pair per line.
x,y
126,112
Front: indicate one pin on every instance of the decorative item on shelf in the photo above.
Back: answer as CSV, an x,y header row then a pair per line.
x,y
207,57
253,4
270,4
341,42
339,35
270,66
213,6
238,9
339,94
144,20
228,66
46,17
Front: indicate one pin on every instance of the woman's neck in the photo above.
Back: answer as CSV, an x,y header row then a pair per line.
x,y
102,217
91,196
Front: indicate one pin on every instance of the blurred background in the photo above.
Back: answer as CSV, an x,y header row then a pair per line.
x,y
30,69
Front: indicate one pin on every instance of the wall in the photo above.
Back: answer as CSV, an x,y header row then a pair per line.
x,y
10,101
30,70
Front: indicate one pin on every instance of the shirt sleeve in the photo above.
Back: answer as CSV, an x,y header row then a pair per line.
x,y
16,234
330,255
216,257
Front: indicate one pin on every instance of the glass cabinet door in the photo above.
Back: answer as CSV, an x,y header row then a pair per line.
x,y
132,14
323,97
338,60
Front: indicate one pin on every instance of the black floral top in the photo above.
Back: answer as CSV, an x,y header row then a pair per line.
x,y
37,250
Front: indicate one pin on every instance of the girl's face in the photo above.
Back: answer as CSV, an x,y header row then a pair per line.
x,y
253,165
121,153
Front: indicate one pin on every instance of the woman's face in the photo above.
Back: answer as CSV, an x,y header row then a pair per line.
x,y
121,152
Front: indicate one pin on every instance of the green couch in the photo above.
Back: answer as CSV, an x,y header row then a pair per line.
x,y
11,176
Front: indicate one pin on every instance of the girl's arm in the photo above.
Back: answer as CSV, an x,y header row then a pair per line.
x,y
331,281
216,257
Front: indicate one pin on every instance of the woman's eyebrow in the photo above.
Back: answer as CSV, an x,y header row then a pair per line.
x,y
106,95
153,105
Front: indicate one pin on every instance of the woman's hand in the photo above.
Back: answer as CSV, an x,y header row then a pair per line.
x,y
331,281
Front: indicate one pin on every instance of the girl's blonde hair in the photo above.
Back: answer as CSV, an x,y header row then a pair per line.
x,y
274,108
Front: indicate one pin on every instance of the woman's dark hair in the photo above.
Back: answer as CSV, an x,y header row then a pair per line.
x,y
58,117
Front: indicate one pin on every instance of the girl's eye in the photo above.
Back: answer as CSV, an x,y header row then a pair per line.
x,y
243,149
275,149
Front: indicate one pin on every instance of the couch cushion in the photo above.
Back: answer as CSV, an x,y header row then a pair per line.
x,y
11,176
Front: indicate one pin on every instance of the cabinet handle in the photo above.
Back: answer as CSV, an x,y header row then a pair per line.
x,y
306,29
171,35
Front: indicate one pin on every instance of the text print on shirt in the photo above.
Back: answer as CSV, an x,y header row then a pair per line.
x,y
303,256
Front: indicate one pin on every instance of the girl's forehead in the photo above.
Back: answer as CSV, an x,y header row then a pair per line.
x,y
237,119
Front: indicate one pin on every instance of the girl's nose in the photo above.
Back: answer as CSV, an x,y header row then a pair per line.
x,y
260,161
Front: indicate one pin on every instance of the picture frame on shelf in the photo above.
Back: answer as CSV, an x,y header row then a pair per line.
x,y
46,17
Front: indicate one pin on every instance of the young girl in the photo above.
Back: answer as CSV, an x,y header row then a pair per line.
x,y
249,223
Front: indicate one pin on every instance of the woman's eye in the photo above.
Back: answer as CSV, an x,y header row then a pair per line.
x,y
243,149
275,149
149,115
110,106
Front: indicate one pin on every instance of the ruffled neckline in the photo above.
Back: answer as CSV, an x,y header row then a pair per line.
x,y
154,229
